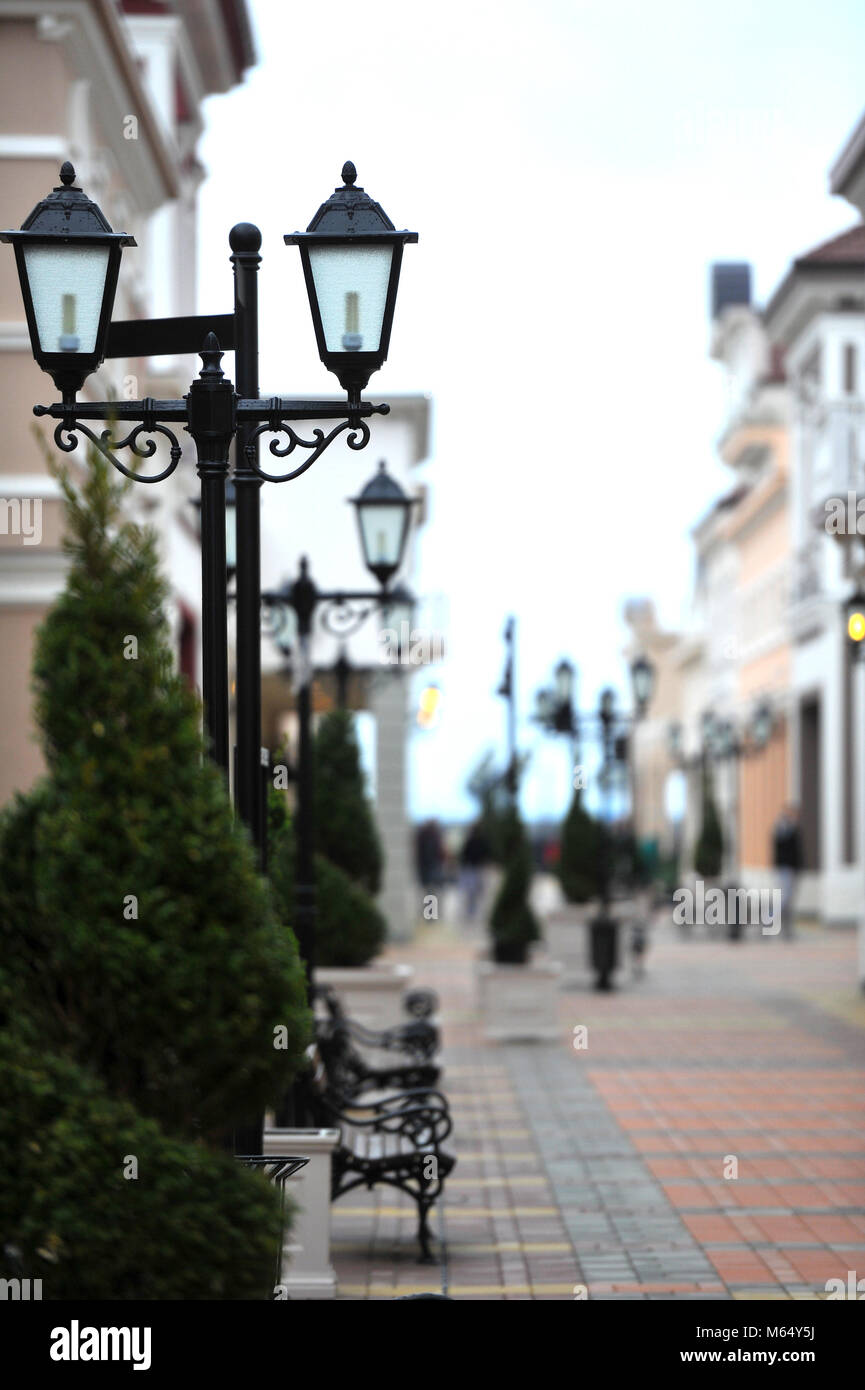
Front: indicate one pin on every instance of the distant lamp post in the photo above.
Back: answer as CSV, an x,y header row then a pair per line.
x,y
708,730
68,258
352,255
565,681
674,741
554,707
383,517
643,684
507,691
762,724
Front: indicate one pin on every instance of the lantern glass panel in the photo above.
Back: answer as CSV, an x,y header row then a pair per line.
x,y
564,681
382,529
67,286
351,285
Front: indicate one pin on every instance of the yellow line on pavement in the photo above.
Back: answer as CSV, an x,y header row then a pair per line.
x,y
451,1214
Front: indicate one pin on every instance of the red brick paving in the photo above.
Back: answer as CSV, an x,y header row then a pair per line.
x,y
754,1049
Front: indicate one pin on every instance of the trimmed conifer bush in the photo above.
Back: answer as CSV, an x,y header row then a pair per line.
x,y
345,829
582,853
150,998
709,850
169,969
99,1203
513,924
350,930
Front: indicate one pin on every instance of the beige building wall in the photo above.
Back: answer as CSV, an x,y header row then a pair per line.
x,y
72,77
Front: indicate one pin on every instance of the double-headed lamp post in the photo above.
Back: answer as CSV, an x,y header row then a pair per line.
x,y
384,519
555,708
507,690
643,689
68,259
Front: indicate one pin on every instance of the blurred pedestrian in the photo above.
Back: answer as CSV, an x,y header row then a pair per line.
x,y
430,855
475,854
787,859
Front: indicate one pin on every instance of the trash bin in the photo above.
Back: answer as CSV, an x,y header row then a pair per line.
x,y
604,939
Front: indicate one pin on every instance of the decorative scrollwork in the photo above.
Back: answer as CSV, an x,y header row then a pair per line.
x,y
66,438
358,438
276,619
341,618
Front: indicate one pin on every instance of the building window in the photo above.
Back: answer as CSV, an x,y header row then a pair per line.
x,y
850,365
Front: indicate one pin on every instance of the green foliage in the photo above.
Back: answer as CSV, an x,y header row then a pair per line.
x,y
582,853
142,966
513,924
345,830
709,851
350,930
136,897
193,1224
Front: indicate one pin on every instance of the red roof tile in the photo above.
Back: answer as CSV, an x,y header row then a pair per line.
x,y
849,246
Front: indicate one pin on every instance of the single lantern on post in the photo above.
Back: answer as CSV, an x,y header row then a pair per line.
x,y
383,516
351,255
68,259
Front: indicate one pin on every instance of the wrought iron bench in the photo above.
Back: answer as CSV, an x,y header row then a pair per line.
x,y
418,1038
396,1140
352,1072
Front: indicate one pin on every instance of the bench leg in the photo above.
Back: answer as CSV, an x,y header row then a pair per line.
x,y
423,1231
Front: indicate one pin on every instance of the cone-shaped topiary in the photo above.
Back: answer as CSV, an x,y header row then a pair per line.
x,y
709,850
349,930
99,1203
513,924
582,853
345,830
136,935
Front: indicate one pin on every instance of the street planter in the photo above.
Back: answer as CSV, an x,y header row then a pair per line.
x,y
519,1002
371,994
564,936
306,1268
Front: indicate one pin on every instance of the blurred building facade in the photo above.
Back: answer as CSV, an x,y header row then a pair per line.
x,y
847,180
118,89
817,315
768,698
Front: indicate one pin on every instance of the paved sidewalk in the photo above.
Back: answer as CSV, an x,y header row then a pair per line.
x,y
605,1167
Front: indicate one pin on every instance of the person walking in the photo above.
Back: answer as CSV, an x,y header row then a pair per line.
x,y
787,859
474,855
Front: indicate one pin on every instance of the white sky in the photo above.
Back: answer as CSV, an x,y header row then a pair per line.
x,y
572,169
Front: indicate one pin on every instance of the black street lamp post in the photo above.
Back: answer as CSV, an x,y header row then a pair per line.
x,y
68,260
303,598
555,710
507,690
643,688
